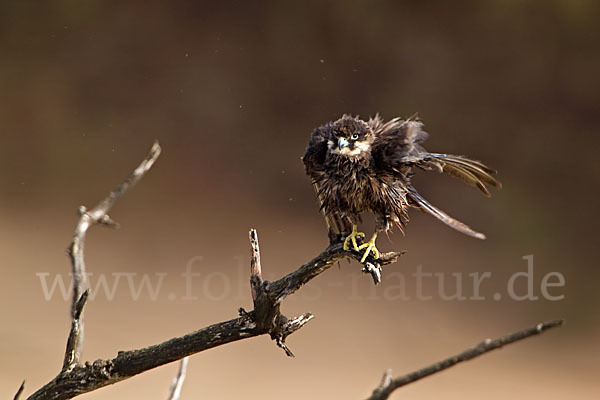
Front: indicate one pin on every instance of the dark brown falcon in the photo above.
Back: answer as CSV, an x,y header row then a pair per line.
x,y
359,166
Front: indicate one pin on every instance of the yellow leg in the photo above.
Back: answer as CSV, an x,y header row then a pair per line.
x,y
370,246
352,238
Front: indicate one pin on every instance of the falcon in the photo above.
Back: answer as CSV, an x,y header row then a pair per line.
x,y
361,166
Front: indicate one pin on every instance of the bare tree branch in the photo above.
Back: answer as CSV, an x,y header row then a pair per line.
x,y
97,215
175,391
388,385
264,319
287,285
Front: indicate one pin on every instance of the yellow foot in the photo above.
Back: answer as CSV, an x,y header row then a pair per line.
x,y
370,246
352,238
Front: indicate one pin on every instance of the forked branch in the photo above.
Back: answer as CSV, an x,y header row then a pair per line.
x,y
264,319
88,218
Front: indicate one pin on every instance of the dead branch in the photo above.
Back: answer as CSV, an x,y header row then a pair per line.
x,y
266,318
389,384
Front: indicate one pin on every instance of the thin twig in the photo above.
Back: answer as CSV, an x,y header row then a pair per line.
x,y
19,391
388,385
175,390
88,218
289,327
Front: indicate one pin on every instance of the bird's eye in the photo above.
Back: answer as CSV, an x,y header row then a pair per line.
x,y
355,136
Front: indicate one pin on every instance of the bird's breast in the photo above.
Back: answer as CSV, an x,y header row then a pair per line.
x,y
350,188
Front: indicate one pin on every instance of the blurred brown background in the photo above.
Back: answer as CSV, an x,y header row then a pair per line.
x,y
232,92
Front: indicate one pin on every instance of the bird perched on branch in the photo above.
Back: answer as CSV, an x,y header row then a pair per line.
x,y
359,166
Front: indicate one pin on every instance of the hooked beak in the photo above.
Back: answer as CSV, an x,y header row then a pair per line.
x,y
343,142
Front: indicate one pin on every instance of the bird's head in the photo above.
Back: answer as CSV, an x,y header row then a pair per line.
x,y
350,137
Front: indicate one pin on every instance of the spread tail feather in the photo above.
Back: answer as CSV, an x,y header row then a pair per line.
x,y
469,171
419,202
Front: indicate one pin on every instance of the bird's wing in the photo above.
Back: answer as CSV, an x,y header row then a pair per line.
x,y
314,163
397,147
416,200
316,152
397,143
469,171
